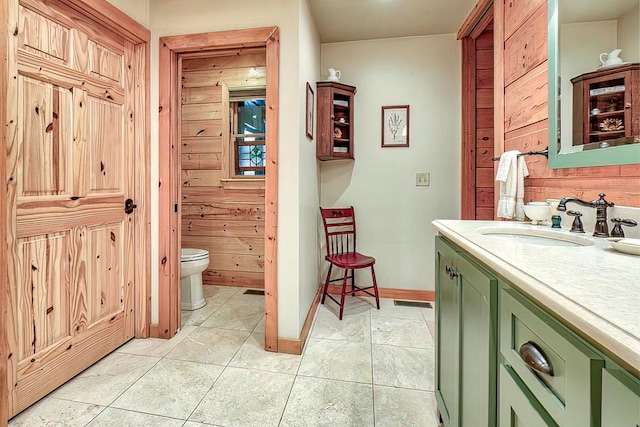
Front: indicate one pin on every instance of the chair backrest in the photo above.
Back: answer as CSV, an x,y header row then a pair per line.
x,y
339,229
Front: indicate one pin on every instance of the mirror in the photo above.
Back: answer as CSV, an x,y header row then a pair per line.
x,y
587,118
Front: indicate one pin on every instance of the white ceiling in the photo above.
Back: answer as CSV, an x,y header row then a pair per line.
x,y
346,20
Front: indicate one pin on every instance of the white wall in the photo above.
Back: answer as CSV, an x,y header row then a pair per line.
x,y
137,9
580,47
308,174
629,35
393,215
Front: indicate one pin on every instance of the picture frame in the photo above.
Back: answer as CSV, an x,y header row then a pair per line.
x,y
395,126
310,113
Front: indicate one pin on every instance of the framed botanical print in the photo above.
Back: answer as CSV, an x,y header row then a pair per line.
x,y
310,111
395,126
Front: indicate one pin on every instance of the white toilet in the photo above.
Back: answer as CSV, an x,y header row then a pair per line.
x,y
194,262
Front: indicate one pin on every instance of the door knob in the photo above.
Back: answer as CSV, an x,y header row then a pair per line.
x,y
129,206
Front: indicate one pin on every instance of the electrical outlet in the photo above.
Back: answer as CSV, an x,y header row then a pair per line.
x,y
422,179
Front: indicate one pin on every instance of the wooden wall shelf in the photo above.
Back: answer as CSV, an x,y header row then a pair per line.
x,y
335,137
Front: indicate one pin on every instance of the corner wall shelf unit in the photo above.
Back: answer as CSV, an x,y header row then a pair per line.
x,y
335,121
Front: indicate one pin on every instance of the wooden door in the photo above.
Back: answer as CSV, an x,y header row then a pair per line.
x,y
70,170
478,109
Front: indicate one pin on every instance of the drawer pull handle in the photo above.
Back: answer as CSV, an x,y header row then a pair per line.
x,y
535,358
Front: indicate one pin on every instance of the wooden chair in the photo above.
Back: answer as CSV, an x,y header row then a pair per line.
x,y
340,232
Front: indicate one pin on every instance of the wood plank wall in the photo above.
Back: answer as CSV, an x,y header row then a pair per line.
x,y
526,114
225,217
484,125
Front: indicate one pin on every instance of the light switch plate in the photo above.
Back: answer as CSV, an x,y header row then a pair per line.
x,y
423,179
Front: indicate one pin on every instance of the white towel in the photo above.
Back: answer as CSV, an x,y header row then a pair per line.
x,y
522,173
511,172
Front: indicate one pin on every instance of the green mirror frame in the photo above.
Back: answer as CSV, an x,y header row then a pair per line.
x,y
620,155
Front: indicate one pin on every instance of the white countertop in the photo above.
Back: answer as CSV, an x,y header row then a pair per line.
x,y
595,290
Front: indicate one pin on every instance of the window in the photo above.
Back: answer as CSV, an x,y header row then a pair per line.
x,y
248,132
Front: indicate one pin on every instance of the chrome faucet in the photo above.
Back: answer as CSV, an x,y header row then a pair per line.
x,y
601,205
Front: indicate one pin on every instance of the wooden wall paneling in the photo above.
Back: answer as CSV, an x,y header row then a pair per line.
x,y
527,48
202,128
532,137
243,279
525,100
200,178
200,95
201,144
210,194
214,209
468,201
205,161
498,88
526,128
255,76
241,59
7,130
516,12
221,228
230,245
271,193
211,111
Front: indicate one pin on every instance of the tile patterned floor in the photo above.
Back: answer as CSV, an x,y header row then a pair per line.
x,y
373,368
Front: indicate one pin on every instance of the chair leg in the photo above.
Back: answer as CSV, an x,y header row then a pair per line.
x,y
375,287
344,289
353,274
326,283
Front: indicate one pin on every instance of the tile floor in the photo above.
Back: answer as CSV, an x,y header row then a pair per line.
x,y
375,368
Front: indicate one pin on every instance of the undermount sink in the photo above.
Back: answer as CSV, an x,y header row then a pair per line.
x,y
536,236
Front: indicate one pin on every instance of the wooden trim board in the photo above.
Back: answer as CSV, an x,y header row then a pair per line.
x,y
4,72
295,346
403,294
474,18
171,49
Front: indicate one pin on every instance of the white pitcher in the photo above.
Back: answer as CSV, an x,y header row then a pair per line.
x,y
334,75
612,58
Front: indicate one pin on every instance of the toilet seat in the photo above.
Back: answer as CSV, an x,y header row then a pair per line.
x,y
190,254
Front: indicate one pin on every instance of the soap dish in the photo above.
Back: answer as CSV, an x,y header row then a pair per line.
x,y
628,246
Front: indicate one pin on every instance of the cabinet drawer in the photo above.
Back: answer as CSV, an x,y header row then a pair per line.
x,y
572,394
518,407
620,400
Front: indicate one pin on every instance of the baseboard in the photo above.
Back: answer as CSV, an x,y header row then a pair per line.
x,y
405,294
154,330
295,346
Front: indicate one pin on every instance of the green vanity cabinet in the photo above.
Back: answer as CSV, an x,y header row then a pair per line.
x,y
466,297
570,393
483,379
620,399
517,406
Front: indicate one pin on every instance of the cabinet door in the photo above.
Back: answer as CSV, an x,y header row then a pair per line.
x,y
517,405
478,295
447,334
620,400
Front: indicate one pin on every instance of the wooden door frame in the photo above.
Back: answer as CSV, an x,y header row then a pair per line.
x,y
473,26
171,48
102,13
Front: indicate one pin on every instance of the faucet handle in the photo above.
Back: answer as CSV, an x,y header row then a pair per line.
x,y
617,229
576,227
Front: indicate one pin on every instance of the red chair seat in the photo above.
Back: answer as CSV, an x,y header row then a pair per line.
x,y
351,260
